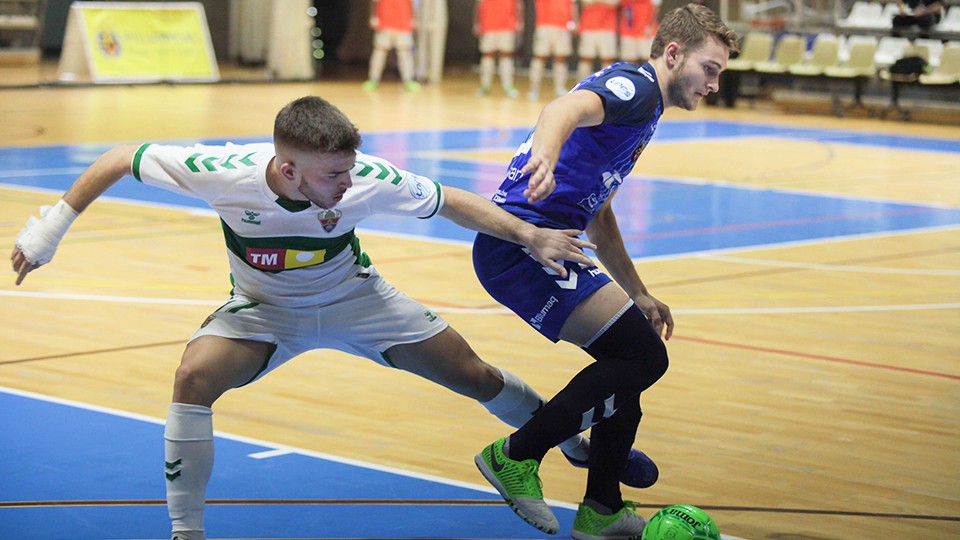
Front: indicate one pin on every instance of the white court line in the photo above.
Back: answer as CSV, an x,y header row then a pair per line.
x,y
832,267
498,310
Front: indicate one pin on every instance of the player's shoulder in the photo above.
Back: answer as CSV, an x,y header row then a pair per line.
x,y
624,81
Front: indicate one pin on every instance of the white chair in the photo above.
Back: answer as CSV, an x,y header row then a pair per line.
x,y
890,49
934,49
886,18
826,52
757,47
862,15
948,70
950,22
859,68
789,51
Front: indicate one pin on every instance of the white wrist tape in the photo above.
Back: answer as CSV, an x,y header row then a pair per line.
x,y
39,240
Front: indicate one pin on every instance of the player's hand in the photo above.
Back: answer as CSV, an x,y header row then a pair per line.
x,y
21,265
550,247
657,313
541,183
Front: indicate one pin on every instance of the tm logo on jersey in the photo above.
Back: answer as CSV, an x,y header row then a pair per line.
x,y
283,259
611,181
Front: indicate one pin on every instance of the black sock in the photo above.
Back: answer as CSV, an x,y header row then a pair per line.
x,y
630,357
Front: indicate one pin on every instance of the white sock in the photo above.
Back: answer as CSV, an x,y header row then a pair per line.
x,y
560,77
583,69
377,62
405,64
486,71
506,71
536,75
188,452
518,402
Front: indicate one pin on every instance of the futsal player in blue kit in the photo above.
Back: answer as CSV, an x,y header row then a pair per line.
x,y
564,176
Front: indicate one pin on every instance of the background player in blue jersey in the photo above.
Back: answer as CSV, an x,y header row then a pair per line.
x,y
564,176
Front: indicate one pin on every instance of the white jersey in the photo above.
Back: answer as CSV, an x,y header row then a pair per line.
x,y
283,252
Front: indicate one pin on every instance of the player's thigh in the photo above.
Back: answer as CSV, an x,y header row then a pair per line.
x,y
211,365
589,46
606,45
593,313
502,42
373,318
448,360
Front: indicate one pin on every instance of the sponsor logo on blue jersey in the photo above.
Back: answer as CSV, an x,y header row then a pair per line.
x,y
611,181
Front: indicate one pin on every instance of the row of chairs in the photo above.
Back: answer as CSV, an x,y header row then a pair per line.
x,y
858,60
877,16
846,58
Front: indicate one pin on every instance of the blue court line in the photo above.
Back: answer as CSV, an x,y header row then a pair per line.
x,y
55,450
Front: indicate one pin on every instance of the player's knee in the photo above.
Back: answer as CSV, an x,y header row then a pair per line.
x,y
194,384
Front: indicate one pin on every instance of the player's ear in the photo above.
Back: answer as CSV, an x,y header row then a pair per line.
x,y
287,170
672,54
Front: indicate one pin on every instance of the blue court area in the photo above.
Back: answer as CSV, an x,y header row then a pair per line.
x,y
666,216
72,472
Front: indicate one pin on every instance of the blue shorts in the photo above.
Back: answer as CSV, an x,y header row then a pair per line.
x,y
532,291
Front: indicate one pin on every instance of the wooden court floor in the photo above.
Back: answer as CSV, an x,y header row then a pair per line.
x,y
814,390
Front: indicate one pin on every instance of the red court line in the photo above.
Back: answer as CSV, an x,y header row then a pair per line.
x,y
461,502
834,359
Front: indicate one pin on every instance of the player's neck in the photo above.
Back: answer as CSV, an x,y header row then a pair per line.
x,y
663,79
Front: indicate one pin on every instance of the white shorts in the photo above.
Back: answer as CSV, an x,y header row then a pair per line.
x,y
393,39
552,40
498,41
372,318
632,49
599,44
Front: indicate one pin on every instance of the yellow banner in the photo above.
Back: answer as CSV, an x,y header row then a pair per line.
x,y
147,42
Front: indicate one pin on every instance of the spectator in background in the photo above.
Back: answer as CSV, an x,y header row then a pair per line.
x,y
496,24
638,25
598,34
392,23
553,34
924,14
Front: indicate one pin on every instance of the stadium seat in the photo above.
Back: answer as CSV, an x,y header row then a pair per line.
x,y
757,47
859,68
948,71
864,15
826,52
890,49
789,51
950,22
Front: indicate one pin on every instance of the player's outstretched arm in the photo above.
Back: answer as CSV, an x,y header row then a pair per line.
x,y
38,241
547,246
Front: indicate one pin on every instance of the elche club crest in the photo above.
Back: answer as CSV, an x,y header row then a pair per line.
x,y
329,218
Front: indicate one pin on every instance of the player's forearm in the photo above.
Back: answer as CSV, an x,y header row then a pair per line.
x,y
476,213
612,254
107,170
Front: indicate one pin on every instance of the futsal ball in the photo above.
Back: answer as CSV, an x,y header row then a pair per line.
x,y
681,522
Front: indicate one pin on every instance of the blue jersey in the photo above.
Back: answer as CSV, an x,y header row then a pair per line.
x,y
594,160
